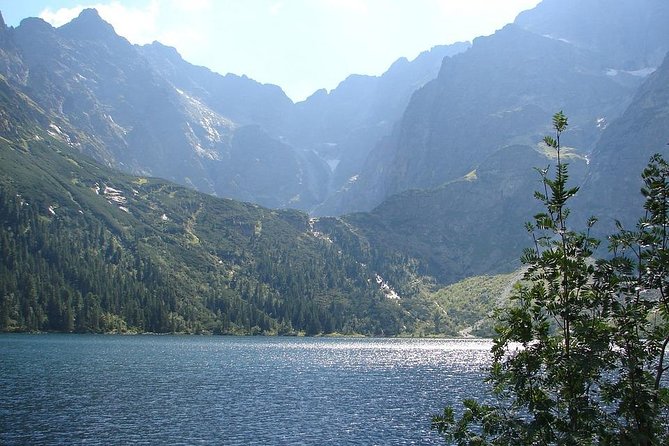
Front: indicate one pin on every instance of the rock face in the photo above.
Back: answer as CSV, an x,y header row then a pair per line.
x,y
145,110
612,189
505,88
453,184
628,35
470,226
344,125
238,98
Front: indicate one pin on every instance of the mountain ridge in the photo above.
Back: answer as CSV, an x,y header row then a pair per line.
x,y
446,187
145,110
88,249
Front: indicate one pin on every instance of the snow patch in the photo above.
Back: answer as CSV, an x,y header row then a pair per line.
x,y
332,164
56,132
317,234
388,291
559,39
113,196
643,72
114,125
56,129
601,123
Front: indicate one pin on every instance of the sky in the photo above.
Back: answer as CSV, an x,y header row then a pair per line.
x,y
300,45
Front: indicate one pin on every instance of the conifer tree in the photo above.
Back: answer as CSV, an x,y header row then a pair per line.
x,y
579,356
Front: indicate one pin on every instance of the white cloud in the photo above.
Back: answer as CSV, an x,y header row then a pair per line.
x,y
352,6
472,9
192,5
276,8
182,38
61,16
138,25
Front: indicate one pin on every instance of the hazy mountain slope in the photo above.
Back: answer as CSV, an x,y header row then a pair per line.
x,y
86,248
629,35
147,111
505,88
502,91
258,165
470,226
612,189
132,114
342,126
238,98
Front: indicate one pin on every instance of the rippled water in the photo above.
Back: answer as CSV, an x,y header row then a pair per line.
x,y
102,390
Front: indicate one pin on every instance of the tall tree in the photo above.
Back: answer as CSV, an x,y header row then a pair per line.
x,y
579,356
637,281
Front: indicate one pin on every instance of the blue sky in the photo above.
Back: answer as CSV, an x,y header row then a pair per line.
x,y
300,45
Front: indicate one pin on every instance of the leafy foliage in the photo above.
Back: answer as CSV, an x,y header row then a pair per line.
x,y
580,358
463,308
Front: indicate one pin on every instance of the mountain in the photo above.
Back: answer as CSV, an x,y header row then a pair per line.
x,y
440,153
502,91
86,248
629,36
611,190
452,186
505,88
470,226
238,98
342,126
146,111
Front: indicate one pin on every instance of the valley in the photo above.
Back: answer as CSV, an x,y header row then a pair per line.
x,y
141,193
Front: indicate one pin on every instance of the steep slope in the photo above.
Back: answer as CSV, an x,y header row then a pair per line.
x,y
342,126
132,114
256,164
85,248
505,88
629,35
500,92
239,98
147,111
470,226
611,191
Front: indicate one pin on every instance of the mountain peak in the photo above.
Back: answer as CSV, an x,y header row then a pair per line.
x,y
89,26
35,25
166,51
89,14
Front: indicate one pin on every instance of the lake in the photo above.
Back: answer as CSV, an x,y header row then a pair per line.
x,y
201,390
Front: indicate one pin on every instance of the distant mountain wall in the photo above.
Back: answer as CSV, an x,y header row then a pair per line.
x,y
585,57
145,110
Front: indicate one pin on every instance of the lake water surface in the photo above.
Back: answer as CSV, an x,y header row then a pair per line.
x,y
191,390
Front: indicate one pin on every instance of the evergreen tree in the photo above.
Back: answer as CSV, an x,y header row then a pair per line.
x,y
579,356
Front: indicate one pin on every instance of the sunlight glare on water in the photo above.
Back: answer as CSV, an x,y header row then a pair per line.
x,y
60,389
